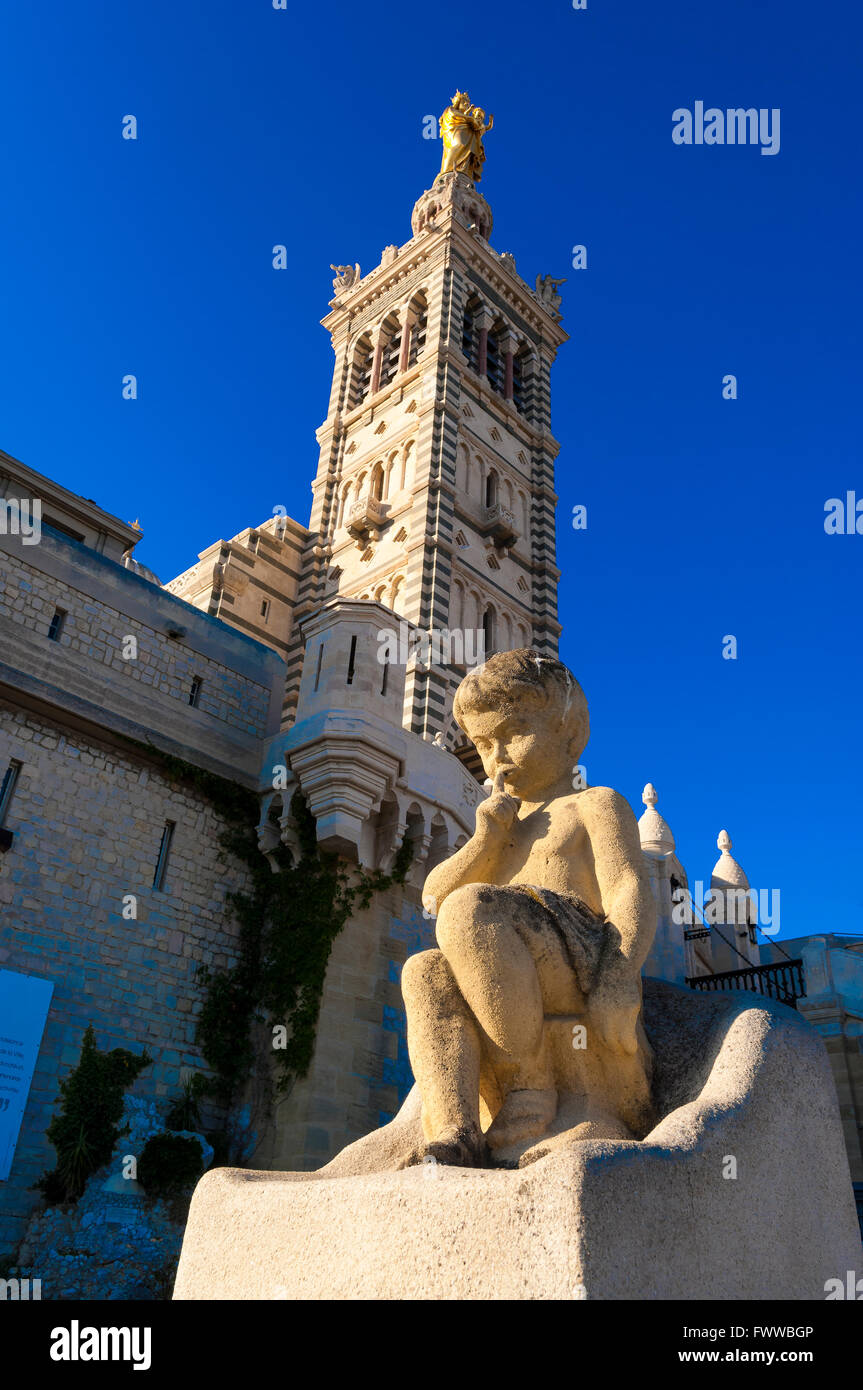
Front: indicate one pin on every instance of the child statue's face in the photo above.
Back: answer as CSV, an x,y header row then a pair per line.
x,y
528,745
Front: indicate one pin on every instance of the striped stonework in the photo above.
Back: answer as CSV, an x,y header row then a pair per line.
x,y
434,494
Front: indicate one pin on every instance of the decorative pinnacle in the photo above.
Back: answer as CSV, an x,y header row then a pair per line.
x,y
724,842
656,838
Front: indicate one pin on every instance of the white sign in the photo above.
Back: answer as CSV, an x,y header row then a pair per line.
x,y
24,1001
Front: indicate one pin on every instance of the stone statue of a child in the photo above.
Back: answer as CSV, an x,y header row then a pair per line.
x,y
524,1028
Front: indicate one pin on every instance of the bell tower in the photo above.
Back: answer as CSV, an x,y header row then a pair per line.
x,y
434,494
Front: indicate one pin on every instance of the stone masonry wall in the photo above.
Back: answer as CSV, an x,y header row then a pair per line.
x,y
94,629
87,821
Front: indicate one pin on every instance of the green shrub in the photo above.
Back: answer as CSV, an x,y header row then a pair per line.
x,y
169,1163
185,1112
85,1131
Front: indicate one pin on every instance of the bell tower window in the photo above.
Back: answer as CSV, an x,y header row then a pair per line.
x,y
470,333
495,367
488,630
418,331
391,349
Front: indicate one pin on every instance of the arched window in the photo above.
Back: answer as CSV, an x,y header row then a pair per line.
x,y
391,337
470,332
361,372
488,630
491,488
376,485
392,477
419,311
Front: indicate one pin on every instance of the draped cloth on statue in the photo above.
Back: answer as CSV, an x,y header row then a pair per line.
x,y
462,144
462,127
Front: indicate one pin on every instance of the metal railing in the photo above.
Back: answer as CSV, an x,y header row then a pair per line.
x,y
782,981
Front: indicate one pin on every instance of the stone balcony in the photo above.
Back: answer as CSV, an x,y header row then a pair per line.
x,y
366,517
498,525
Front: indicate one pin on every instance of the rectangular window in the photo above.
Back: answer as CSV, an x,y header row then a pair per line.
x,y
162,862
195,691
8,787
56,625
265,609
351,661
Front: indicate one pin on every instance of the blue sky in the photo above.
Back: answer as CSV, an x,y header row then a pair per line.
x,y
705,516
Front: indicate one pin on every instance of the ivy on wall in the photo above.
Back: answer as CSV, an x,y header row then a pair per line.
x,y
287,924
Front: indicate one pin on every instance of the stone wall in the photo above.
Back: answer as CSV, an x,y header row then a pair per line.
x,y
83,829
360,1073
250,581
87,821
95,630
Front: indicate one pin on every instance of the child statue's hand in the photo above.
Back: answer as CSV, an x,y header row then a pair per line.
x,y
498,811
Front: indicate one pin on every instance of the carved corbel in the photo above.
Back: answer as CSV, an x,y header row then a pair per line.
x,y
388,855
417,872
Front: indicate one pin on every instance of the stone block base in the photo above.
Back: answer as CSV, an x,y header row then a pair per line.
x,y
741,1191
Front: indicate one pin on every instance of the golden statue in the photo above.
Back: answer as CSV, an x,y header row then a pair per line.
x,y
462,127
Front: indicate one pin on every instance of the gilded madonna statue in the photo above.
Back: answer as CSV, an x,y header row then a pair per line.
x,y
462,127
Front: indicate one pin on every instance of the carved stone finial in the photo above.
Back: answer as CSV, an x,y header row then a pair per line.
x,y
657,840
727,873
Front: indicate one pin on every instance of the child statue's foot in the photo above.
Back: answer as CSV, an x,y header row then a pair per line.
x,y
456,1149
523,1115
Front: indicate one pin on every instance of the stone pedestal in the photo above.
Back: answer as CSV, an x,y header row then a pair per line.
x,y
741,1191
